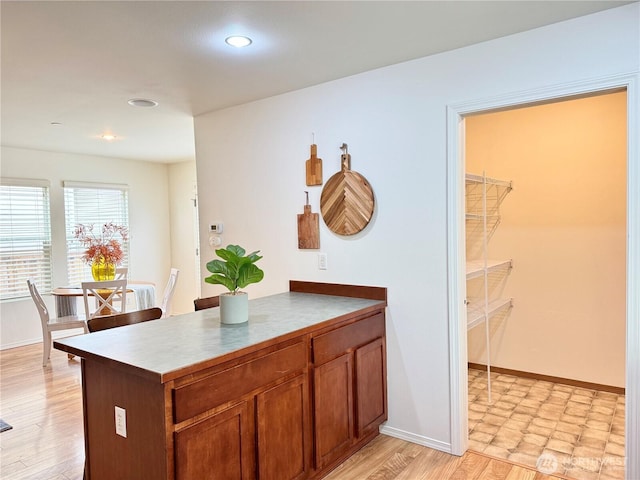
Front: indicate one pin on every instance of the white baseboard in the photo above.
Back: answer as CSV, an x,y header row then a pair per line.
x,y
31,341
418,439
21,343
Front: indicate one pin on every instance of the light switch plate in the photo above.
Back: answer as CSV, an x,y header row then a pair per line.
x,y
322,261
121,422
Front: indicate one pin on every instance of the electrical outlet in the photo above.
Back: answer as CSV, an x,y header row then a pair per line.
x,y
121,422
322,261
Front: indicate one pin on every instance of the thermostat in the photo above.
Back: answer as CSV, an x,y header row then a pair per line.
x,y
215,240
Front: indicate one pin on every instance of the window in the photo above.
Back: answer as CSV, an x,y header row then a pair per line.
x,y
92,204
25,236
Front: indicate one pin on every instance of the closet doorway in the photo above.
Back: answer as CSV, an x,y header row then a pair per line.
x,y
546,358
555,181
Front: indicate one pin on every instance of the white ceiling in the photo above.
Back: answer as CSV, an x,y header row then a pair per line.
x,y
78,62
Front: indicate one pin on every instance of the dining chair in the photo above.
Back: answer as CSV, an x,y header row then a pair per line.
x,y
104,294
207,302
167,296
121,272
52,324
122,319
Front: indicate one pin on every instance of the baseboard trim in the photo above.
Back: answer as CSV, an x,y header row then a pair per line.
x,y
418,439
549,378
21,343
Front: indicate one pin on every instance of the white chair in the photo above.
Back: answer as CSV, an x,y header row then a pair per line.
x,y
167,297
105,295
121,272
52,324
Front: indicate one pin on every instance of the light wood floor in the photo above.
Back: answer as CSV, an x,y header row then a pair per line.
x,y
44,406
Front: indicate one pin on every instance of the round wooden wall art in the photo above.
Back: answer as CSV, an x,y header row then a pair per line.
x,y
347,200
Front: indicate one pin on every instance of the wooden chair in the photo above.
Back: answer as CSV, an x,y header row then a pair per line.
x,y
167,297
207,302
52,324
122,319
105,293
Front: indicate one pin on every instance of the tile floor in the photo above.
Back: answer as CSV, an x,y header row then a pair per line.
x,y
560,429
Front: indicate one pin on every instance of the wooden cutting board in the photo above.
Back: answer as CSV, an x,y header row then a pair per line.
x,y
347,200
308,228
314,167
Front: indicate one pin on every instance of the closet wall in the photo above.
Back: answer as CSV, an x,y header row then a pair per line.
x,y
564,226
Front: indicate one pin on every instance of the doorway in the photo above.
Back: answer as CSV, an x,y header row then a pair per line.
x,y
457,285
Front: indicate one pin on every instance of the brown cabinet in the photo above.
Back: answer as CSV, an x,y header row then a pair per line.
x,y
349,389
333,411
289,400
254,407
221,446
371,388
284,431
273,425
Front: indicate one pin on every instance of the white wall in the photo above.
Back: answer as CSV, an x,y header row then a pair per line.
x,y
564,226
250,162
150,256
182,191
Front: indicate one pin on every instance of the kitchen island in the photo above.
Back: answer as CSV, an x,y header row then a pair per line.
x,y
288,395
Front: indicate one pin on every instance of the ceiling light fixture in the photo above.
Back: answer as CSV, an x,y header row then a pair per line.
x,y
142,102
238,41
108,137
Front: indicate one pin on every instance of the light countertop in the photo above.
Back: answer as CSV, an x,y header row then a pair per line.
x,y
161,349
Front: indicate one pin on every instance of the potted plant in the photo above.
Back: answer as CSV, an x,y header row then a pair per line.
x,y
235,271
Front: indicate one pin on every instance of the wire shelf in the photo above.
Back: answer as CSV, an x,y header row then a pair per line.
x,y
483,196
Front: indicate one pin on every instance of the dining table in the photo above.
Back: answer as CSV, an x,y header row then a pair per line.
x,y
66,304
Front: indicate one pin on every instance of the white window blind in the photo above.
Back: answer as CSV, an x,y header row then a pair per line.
x,y
92,204
25,237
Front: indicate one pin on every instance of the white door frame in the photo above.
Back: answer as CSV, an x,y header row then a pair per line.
x,y
456,250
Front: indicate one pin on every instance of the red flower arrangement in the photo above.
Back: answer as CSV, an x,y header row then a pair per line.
x,y
104,248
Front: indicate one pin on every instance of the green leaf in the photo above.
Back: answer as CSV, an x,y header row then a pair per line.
x,y
237,250
249,273
221,280
254,257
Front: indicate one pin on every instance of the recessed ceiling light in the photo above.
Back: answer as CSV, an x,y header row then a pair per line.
x,y
142,102
108,137
238,41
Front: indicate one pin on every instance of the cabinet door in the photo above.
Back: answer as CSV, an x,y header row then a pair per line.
x,y
221,446
333,408
284,431
371,402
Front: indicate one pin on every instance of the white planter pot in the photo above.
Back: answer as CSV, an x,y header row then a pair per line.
x,y
234,308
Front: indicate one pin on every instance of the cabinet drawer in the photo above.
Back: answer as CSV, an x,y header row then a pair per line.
x,y
195,398
340,340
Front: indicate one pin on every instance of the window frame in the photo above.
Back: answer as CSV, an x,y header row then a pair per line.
x,y
78,212
21,236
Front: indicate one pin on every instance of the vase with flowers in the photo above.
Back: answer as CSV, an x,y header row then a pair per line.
x,y
103,250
